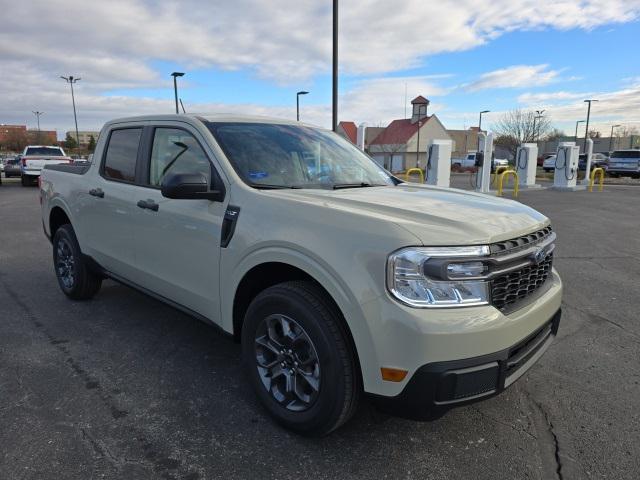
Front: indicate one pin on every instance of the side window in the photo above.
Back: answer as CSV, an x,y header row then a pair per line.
x,y
122,152
176,151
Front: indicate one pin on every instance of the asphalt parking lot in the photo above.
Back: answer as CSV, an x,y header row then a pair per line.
x,y
125,387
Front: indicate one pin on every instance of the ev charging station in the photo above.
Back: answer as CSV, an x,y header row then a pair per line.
x,y
439,163
484,161
566,169
526,165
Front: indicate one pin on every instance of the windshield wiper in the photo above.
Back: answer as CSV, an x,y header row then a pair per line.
x,y
338,186
267,186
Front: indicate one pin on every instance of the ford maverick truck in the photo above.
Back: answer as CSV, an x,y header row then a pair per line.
x,y
338,279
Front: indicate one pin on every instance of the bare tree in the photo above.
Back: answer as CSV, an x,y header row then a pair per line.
x,y
518,126
555,134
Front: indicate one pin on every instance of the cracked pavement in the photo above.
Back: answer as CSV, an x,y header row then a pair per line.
x,y
126,387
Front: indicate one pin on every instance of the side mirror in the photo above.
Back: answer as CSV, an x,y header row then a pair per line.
x,y
189,186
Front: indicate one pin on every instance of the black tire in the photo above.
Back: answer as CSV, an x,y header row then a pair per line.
x,y
24,180
75,278
338,392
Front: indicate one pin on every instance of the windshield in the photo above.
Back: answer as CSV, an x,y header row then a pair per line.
x,y
635,154
48,151
292,156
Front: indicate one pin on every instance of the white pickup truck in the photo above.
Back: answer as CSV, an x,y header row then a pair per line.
x,y
469,161
35,157
338,279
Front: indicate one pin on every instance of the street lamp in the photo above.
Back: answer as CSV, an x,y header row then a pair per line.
x,y
611,137
175,86
536,133
37,114
586,130
71,80
301,92
576,135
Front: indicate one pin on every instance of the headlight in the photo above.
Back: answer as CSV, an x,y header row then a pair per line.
x,y
439,276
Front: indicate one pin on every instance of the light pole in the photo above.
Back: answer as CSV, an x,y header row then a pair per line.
x,y
577,123
586,130
536,133
334,109
71,80
175,86
611,137
37,114
301,92
480,126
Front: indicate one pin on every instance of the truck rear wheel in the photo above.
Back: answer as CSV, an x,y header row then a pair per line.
x,y
299,359
25,181
75,278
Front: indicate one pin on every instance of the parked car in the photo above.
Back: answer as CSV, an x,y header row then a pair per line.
x,y
338,279
624,162
12,167
543,157
35,157
598,160
549,163
470,161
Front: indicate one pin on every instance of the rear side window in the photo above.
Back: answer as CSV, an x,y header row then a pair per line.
x,y
122,152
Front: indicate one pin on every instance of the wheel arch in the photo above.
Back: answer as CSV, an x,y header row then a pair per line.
x,y
57,217
266,274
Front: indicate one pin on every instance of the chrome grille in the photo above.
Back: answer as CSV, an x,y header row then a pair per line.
x,y
516,285
520,243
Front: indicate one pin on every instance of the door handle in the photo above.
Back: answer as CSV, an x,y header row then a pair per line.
x,y
96,192
149,205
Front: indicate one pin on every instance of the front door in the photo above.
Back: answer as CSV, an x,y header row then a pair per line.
x,y
177,242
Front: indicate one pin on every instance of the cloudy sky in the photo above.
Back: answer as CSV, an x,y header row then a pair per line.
x,y
251,56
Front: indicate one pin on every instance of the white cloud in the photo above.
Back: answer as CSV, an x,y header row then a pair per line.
x,y
119,44
516,76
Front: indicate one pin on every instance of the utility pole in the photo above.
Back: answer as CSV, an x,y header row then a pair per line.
x,y
334,113
37,114
175,86
586,130
71,80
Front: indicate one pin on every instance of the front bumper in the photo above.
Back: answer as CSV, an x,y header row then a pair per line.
x,y
437,387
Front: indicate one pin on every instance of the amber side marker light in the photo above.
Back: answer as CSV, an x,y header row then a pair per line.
x,y
393,374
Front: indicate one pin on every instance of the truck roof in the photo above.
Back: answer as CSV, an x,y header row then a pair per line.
x,y
211,117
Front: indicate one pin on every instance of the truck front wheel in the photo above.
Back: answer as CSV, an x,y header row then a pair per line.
x,y
75,278
299,359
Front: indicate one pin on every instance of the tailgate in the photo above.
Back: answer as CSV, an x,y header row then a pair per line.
x,y
35,164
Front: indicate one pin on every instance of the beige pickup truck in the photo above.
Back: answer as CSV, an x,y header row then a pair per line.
x,y
338,279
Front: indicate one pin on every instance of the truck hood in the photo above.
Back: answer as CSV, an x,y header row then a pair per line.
x,y
437,216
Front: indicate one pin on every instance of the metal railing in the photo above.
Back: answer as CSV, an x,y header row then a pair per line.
x,y
501,181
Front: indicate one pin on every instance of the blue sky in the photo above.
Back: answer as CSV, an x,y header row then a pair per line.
x,y
251,57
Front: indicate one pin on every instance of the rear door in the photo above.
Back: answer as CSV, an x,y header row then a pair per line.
x,y
177,242
107,204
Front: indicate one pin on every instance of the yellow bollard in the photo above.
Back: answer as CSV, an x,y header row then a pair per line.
x,y
593,178
413,170
501,180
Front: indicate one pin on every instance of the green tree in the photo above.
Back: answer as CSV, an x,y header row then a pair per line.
x,y
70,142
92,144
